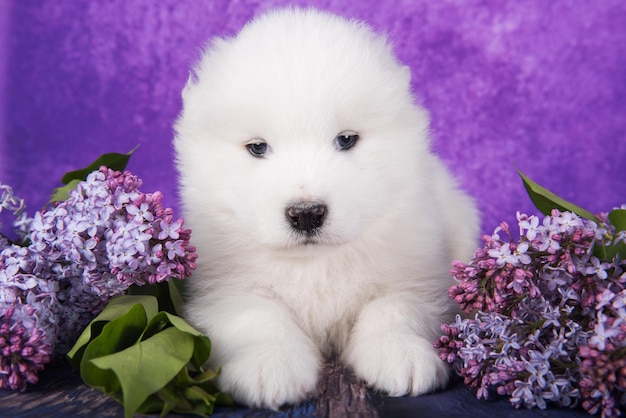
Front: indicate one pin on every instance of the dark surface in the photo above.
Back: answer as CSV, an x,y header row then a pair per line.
x,y
61,393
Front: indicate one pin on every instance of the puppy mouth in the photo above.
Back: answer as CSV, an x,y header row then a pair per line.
x,y
309,242
308,238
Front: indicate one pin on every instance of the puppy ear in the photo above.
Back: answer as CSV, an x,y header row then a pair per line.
x,y
210,50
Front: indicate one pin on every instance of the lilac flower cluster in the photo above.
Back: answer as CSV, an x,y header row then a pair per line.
x,y
15,205
549,318
603,368
74,257
28,322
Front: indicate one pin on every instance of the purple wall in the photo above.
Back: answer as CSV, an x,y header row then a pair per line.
x,y
536,85
4,35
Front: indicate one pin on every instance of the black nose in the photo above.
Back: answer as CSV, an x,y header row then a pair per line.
x,y
306,216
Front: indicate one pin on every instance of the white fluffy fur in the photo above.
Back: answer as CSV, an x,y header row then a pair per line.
x,y
373,287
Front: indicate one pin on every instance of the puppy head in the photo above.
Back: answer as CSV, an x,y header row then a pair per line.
x,y
298,133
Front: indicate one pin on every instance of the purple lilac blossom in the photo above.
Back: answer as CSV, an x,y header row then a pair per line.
x,y
28,315
74,257
15,205
547,316
28,318
106,237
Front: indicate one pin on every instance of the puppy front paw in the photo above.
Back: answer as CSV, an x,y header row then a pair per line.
x,y
271,375
397,365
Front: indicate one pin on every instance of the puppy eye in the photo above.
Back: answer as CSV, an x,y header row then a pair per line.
x,y
346,140
258,148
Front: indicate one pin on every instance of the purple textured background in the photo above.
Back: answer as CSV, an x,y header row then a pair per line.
x,y
536,85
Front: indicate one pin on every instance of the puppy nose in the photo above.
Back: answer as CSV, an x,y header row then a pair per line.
x,y
306,216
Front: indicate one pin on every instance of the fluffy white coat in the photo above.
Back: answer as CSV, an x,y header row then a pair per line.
x,y
370,284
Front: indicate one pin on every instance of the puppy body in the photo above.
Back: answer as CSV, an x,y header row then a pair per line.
x,y
368,280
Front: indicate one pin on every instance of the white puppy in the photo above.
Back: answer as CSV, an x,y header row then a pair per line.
x,y
323,223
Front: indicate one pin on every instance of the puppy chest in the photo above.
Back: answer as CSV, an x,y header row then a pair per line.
x,y
326,308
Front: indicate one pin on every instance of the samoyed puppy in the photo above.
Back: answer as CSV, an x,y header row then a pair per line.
x,y
324,224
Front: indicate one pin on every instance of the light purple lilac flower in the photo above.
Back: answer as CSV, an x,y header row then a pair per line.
x,y
16,205
547,317
106,237
28,316
76,255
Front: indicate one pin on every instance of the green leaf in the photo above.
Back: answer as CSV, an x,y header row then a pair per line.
x,y
116,335
202,344
201,353
201,378
176,295
202,347
186,394
148,361
545,200
157,324
71,179
617,217
117,307
111,160
142,369
182,325
61,194
166,293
